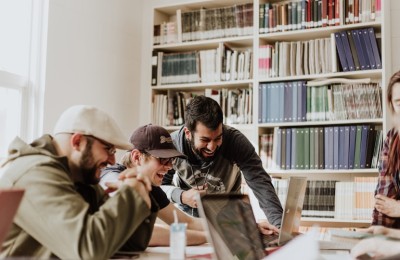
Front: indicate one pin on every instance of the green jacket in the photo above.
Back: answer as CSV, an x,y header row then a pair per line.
x,y
54,220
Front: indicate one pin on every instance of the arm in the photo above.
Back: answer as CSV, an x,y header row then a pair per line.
x,y
174,193
256,177
160,236
376,247
385,185
56,216
194,233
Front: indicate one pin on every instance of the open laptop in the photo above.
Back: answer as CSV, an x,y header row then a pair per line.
x,y
232,229
9,201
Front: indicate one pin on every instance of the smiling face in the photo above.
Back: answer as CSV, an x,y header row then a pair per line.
x,y
95,156
205,141
396,98
151,166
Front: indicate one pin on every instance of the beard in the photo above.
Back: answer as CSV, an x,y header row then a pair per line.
x,y
199,155
88,168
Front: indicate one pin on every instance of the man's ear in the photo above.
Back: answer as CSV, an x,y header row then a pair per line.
x,y
135,156
188,134
76,141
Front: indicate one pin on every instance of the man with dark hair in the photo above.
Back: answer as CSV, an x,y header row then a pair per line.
x,y
216,156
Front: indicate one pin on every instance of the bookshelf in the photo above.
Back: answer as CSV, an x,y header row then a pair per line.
x,y
198,44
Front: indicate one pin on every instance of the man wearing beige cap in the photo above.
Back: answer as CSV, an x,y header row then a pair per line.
x,y
153,152
65,213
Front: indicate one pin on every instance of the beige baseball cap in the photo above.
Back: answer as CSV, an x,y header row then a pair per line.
x,y
89,120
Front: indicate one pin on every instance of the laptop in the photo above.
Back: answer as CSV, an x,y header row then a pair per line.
x,y
9,201
232,228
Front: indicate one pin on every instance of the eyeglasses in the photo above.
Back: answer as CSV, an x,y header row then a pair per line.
x,y
165,161
108,147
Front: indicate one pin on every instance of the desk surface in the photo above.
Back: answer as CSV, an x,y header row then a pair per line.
x,y
205,251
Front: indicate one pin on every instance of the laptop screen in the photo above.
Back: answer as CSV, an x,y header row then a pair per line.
x,y
232,227
9,201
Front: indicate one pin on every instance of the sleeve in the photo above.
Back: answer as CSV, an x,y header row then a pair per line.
x,y
57,216
160,196
386,185
256,177
173,193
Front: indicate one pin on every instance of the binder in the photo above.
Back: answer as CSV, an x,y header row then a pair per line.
x,y
370,53
353,50
364,49
347,51
360,54
352,145
375,50
340,50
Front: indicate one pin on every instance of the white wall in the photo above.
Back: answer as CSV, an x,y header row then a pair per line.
x,y
93,57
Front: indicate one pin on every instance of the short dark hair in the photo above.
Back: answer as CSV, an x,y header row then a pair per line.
x,y
393,80
204,110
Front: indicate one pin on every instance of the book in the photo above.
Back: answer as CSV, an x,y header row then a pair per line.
x,y
375,49
353,50
154,68
364,49
347,51
340,51
367,42
363,146
352,144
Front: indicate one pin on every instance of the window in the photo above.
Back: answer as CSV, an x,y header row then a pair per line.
x,y
23,32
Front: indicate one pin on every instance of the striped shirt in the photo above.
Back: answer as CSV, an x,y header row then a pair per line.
x,y
388,185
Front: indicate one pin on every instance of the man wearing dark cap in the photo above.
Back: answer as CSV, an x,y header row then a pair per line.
x,y
153,154
65,213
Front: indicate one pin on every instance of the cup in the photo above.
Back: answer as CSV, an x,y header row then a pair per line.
x,y
177,241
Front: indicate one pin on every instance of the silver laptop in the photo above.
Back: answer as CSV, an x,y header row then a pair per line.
x,y
9,201
232,229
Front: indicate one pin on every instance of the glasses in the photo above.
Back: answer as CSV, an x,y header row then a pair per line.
x,y
165,161
108,147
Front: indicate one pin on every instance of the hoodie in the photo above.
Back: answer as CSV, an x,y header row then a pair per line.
x,y
55,220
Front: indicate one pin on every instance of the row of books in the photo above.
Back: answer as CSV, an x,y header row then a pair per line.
x,y
351,49
351,200
214,65
303,14
331,147
358,49
236,105
295,58
295,101
205,23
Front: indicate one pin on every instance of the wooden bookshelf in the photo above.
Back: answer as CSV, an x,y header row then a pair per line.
x,y
252,40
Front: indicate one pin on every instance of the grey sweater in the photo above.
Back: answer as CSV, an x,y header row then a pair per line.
x,y
236,155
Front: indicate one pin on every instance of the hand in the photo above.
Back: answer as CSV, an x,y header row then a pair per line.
x,y
139,182
375,248
266,228
387,206
381,230
132,173
189,196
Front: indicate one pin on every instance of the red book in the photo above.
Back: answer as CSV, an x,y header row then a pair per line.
x,y
324,13
331,8
337,11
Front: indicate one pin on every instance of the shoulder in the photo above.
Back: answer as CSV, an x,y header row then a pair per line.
x,y
233,137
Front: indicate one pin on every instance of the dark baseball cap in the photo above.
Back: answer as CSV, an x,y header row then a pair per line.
x,y
154,140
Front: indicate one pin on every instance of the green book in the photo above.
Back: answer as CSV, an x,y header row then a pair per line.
x,y
307,148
